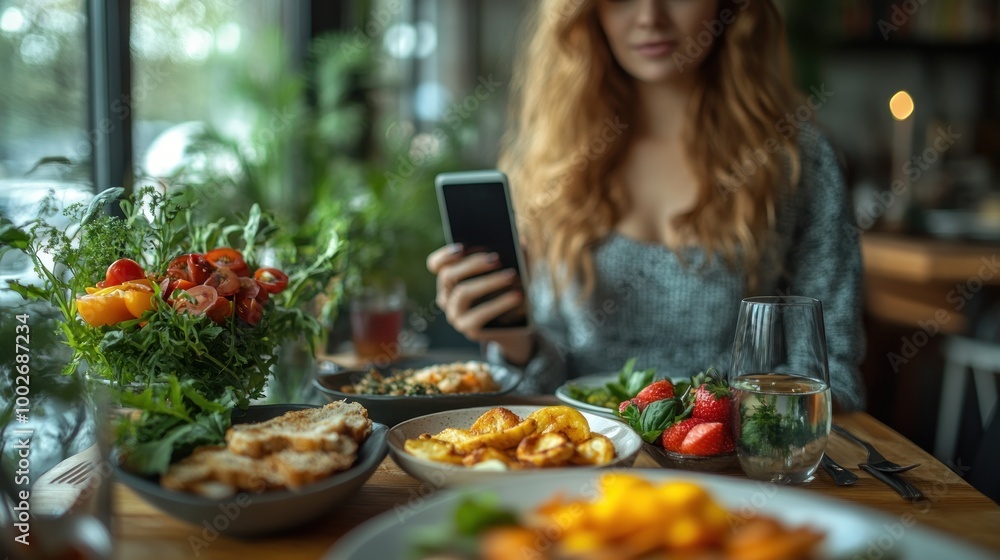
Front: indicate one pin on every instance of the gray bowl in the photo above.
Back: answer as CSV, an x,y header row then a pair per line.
x,y
393,409
250,514
627,444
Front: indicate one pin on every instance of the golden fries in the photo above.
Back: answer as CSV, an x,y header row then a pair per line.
x,y
555,436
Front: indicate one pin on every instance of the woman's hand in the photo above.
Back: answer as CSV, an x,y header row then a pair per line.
x,y
463,280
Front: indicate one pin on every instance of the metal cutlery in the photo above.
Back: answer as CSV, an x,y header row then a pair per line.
x,y
875,459
840,475
891,477
896,482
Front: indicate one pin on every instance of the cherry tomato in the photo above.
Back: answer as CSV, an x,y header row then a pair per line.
x,y
249,309
123,270
203,300
271,279
178,268
230,258
198,268
100,310
168,285
249,288
221,310
224,280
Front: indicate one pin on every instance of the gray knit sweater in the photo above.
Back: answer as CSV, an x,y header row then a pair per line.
x,y
682,319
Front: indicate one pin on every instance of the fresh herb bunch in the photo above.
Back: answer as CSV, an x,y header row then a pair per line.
x,y
182,371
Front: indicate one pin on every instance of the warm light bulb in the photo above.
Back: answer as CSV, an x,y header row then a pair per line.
x,y
901,105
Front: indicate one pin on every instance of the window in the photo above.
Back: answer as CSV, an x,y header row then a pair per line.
x,y
43,61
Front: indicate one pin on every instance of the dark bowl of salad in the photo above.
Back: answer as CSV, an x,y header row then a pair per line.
x,y
394,395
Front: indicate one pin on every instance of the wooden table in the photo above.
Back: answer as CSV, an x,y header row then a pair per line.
x,y
952,505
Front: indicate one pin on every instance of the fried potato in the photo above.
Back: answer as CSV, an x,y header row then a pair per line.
x,y
433,450
545,450
454,435
495,420
490,454
562,419
598,450
499,440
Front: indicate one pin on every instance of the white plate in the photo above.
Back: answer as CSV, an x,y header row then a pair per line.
x,y
851,530
589,381
440,475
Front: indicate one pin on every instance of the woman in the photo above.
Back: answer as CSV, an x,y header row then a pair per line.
x,y
660,173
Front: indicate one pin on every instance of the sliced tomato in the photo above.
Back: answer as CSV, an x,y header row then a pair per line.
x,y
249,309
123,270
178,268
249,288
202,300
168,285
198,268
271,279
224,280
221,310
230,258
100,310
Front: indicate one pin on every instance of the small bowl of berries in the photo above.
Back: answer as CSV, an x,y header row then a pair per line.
x,y
687,425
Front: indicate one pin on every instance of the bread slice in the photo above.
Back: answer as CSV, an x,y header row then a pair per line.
x,y
212,469
334,427
297,468
290,451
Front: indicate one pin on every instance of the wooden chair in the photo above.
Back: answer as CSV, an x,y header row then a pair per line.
x,y
962,355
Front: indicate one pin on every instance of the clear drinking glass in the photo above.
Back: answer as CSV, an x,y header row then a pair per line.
x,y
781,388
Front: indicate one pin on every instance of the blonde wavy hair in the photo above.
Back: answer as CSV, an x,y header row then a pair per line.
x,y
568,90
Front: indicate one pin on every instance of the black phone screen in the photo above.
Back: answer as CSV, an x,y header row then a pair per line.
x,y
480,218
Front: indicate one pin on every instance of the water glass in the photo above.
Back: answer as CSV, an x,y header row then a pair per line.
x,y
781,386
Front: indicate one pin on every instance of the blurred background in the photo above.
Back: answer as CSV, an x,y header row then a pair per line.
x,y
342,112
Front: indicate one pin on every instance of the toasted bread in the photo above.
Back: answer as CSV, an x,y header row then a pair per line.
x,y
297,468
219,466
335,427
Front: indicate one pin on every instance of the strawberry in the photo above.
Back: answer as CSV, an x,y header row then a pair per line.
x,y
708,438
656,391
713,402
674,435
623,406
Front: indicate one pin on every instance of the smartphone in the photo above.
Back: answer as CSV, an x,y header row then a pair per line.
x,y
476,211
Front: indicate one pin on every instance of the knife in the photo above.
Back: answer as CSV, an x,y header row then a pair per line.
x,y
839,474
896,482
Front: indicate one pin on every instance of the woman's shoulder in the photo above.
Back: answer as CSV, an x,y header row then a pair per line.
x,y
817,155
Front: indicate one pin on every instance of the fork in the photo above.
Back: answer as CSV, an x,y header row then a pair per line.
x,y
875,459
58,490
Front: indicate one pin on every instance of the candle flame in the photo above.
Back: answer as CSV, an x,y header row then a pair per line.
x,y
901,105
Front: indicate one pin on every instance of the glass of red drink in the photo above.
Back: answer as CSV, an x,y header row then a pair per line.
x,y
376,321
